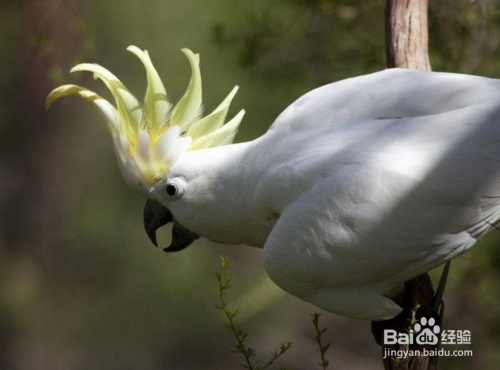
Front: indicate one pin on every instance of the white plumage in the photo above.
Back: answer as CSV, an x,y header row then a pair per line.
x,y
357,187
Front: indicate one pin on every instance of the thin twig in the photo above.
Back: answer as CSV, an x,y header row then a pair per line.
x,y
247,354
241,337
317,338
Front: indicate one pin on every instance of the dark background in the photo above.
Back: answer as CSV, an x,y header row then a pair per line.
x,y
81,286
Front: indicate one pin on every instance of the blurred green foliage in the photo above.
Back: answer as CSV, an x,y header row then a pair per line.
x,y
80,285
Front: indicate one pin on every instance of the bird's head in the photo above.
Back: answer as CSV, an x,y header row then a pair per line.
x,y
150,139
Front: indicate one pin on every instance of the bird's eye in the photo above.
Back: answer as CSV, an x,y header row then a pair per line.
x,y
171,190
175,188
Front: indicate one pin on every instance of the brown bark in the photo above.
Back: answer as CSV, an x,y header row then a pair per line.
x,y
406,47
406,34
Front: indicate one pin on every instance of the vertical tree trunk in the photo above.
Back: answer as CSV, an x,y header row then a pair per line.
x,y
406,47
406,34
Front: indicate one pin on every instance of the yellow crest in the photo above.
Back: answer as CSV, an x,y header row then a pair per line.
x,y
148,139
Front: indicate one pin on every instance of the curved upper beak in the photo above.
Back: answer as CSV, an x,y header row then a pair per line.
x,y
155,216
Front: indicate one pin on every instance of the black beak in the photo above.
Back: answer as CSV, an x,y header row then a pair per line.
x,y
155,216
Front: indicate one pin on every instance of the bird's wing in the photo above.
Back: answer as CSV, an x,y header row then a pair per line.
x,y
340,247
384,201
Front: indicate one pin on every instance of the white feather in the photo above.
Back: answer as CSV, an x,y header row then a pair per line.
x,y
358,186
180,147
165,144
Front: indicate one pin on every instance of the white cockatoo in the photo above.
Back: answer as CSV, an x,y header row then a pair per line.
x,y
357,187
